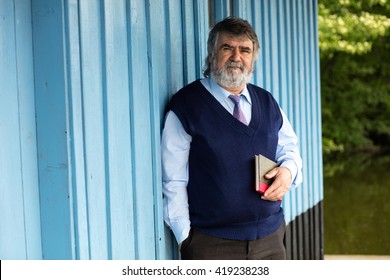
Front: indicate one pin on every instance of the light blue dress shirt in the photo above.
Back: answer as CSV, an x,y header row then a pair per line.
x,y
175,149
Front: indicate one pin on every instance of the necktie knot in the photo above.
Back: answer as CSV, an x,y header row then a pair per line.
x,y
235,98
237,112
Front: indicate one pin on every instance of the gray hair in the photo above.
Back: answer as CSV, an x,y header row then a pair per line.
x,y
233,26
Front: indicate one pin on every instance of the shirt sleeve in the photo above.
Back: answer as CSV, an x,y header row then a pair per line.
x,y
287,151
175,147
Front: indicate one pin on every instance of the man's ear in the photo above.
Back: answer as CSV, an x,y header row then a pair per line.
x,y
210,58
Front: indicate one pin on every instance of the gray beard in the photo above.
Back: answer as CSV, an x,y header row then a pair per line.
x,y
236,77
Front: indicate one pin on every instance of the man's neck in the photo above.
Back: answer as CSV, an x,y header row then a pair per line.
x,y
236,90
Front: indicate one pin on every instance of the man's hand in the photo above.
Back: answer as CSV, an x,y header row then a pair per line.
x,y
282,182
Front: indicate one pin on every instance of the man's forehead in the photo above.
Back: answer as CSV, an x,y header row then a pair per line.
x,y
226,38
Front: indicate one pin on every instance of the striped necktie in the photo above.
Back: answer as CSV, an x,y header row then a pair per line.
x,y
237,113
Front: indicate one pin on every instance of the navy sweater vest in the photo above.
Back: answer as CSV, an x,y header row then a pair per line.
x,y
221,187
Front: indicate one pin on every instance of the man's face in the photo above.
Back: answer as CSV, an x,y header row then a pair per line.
x,y
232,63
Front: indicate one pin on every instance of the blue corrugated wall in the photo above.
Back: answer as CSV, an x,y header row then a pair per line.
x,y
83,88
20,235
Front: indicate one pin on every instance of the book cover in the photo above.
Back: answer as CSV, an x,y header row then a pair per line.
x,y
263,165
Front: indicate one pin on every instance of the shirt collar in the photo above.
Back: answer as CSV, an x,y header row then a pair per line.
x,y
222,94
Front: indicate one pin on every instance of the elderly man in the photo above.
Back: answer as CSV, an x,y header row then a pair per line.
x,y
213,130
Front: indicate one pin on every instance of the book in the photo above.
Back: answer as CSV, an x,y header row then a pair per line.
x,y
263,165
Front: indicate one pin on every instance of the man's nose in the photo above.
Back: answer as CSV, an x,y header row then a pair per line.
x,y
236,55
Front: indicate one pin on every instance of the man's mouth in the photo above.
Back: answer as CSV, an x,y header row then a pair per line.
x,y
234,65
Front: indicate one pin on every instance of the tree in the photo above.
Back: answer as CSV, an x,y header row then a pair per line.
x,y
355,73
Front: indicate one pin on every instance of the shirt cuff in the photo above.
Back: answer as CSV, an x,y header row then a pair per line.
x,y
181,230
290,165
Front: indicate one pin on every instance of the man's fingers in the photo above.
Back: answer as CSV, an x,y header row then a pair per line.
x,y
271,173
280,185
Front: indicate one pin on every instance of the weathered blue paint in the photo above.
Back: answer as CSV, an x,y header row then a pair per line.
x,y
52,129
20,232
83,90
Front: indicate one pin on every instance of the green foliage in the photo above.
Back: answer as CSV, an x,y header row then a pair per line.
x,y
355,73
347,27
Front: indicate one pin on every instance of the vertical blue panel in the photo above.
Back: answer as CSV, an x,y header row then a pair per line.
x,y
11,185
117,129
28,145
316,87
264,59
141,132
201,34
284,73
300,102
20,235
281,46
189,45
175,44
76,126
286,49
158,77
52,130
96,175
242,9
303,132
222,9
257,18
275,37
159,49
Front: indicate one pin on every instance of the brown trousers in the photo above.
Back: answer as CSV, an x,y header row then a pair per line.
x,y
200,246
